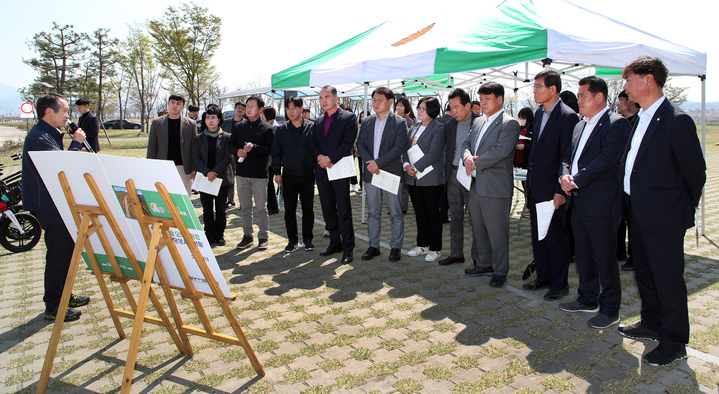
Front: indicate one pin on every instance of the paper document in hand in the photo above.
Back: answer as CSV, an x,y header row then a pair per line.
x,y
545,211
415,153
464,179
386,181
202,184
344,168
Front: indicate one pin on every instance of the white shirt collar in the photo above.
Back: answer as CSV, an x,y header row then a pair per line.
x,y
652,108
594,119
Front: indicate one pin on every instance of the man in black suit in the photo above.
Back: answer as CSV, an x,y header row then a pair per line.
x,y
456,131
381,143
553,126
664,174
629,109
89,123
334,135
590,178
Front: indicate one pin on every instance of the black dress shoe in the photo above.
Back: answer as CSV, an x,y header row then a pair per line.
x,y
555,294
497,281
347,258
395,254
331,250
451,260
370,253
536,285
662,356
477,271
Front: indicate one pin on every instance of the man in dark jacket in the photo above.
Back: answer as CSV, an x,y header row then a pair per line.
x,y
251,142
293,164
89,123
52,109
334,134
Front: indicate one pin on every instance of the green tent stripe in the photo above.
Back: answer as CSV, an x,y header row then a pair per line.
x,y
513,33
299,75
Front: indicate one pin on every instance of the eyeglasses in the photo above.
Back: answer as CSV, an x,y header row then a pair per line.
x,y
538,87
211,117
421,108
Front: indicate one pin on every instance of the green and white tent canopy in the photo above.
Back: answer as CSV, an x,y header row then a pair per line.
x,y
516,31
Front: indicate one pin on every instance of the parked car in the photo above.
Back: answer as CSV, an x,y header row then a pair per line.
x,y
115,124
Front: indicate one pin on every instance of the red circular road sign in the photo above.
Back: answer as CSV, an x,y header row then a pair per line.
x,y
27,108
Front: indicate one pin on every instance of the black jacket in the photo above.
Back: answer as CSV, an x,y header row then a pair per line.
x,y
291,149
91,126
260,134
223,156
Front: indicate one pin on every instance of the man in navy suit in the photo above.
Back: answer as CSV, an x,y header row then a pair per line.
x,y
664,174
553,126
590,178
334,135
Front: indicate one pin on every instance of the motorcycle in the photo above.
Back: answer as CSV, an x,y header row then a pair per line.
x,y
19,231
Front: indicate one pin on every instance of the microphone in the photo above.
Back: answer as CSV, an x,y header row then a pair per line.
x,y
71,128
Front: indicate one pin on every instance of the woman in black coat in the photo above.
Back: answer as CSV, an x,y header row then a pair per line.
x,y
212,156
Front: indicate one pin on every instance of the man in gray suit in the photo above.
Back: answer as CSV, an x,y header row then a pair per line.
x,y
171,138
381,139
488,156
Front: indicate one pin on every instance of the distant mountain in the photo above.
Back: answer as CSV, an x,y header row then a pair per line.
x,y
690,106
10,101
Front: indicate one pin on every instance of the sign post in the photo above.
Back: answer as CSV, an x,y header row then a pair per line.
x,y
26,110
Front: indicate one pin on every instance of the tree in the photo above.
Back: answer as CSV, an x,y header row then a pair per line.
x,y
187,38
104,56
675,94
60,52
138,62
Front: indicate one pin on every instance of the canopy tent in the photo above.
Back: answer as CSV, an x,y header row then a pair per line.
x,y
516,31
478,45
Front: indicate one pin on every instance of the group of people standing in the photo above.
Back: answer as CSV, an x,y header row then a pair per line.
x,y
601,168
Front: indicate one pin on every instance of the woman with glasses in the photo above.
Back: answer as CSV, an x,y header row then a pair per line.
x,y
212,156
425,177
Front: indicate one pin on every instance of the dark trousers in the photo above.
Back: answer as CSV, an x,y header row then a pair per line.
x,y
659,272
213,213
271,195
337,211
425,200
552,253
599,281
303,186
60,246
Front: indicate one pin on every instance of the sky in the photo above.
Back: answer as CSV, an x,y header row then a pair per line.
x,y
260,38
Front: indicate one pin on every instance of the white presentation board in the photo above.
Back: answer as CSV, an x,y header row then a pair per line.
x,y
110,174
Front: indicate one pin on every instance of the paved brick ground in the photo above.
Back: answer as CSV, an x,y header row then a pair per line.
x,y
318,326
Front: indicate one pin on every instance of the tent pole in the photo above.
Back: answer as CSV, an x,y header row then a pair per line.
x,y
704,142
359,176
515,106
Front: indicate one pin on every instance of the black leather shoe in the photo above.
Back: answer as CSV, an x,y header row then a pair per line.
x,y
628,266
370,253
347,258
451,260
536,285
331,250
395,254
555,294
476,271
497,281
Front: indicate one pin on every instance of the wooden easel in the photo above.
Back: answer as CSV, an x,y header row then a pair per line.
x,y
157,236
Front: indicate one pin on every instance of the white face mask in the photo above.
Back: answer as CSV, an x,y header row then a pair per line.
x,y
522,122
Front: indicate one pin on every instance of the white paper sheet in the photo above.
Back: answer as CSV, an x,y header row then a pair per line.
x,y
545,211
202,184
344,168
464,179
386,181
415,153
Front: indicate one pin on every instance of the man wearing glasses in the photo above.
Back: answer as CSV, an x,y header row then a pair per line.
x,y
552,133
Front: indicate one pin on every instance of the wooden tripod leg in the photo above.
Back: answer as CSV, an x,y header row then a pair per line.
x,y
64,301
141,309
168,325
